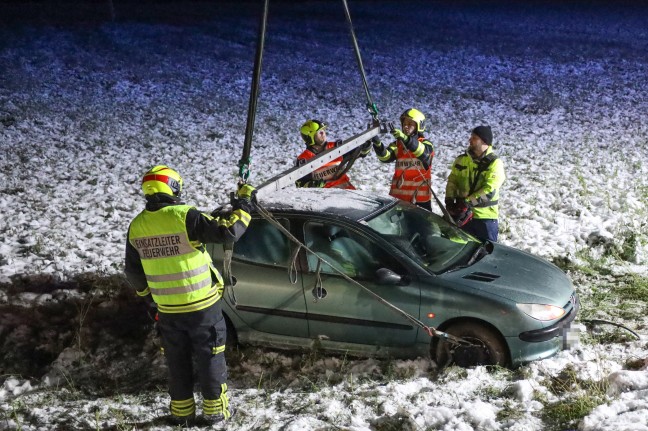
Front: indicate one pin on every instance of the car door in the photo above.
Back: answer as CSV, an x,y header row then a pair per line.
x,y
268,296
340,310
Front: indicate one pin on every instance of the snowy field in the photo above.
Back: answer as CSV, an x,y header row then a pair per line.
x,y
88,105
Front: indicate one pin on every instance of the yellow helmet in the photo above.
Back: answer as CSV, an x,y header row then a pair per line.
x,y
162,179
310,128
416,116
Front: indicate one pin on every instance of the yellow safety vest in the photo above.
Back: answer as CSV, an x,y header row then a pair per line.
x,y
178,271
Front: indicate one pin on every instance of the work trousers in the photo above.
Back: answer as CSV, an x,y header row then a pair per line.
x,y
199,336
483,229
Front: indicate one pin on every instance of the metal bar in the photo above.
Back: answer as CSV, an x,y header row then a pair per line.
x,y
288,177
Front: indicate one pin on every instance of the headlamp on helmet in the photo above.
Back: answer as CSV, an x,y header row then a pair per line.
x,y
162,179
416,116
309,129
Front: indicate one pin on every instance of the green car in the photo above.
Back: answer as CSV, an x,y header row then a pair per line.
x,y
369,264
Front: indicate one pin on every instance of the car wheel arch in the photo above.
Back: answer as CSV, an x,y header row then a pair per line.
x,y
479,329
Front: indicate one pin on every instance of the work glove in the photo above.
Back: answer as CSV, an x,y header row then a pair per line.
x,y
450,205
400,135
463,216
338,142
460,211
316,183
245,198
365,148
246,191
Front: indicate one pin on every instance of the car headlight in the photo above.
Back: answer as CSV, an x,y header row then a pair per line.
x,y
542,311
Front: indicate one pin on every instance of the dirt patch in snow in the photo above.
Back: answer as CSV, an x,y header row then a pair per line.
x,y
91,333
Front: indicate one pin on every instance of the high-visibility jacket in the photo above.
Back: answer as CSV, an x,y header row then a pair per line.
x,y
478,181
323,176
413,173
179,272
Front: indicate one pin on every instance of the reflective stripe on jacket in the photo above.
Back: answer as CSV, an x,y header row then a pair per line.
x,y
411,181
326,172
178,271
486,183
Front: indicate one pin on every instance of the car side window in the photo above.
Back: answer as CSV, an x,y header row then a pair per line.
x,y
264,243
347,251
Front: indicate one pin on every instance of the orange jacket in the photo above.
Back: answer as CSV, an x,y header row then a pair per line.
x,y
323,177
412,180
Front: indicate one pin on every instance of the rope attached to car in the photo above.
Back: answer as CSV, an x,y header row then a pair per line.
x,y
431,331
593,322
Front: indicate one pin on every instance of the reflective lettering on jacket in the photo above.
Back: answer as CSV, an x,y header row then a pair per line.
x,y
465,175
411,181
328,171
178,271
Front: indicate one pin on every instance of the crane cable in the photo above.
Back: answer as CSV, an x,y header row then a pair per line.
x,y
371,106
245,161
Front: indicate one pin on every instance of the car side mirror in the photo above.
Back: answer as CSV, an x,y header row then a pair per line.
x,y
386,276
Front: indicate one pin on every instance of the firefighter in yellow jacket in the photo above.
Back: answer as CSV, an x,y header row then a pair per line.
x,y
313,132
413,155
472,192
166,259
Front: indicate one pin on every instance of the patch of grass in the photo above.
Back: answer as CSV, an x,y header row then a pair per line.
x,y
615,296
577,398
510,412
565,415
392,371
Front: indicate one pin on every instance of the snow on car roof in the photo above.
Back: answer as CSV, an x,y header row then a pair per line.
x,y
355,204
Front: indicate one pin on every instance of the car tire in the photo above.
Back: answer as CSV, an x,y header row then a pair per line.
x,y
488,347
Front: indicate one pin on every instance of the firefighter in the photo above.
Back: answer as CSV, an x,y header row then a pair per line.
x,y
166,262
472,192
314,134
413,155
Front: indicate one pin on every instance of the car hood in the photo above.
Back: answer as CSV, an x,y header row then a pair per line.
x,y
517,276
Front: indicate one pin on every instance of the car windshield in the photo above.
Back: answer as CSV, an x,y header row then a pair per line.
x,y
425,237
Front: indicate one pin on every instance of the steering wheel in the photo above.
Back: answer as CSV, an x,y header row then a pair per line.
x,y
416,242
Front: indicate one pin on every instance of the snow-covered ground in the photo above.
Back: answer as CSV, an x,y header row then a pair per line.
x,y
87,107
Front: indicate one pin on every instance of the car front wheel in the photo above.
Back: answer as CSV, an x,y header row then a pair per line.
x,y
486,347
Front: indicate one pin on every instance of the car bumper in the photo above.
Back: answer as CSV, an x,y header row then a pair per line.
x,y
553,331
541,343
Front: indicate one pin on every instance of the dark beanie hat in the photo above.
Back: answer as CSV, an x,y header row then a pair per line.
x,y
485,133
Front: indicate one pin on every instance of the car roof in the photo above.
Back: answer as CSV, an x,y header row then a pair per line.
x,y
353,204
